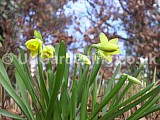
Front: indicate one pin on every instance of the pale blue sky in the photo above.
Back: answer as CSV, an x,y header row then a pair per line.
x,y
79,9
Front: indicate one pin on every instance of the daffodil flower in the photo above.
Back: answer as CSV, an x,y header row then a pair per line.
x,y
35,46
48,52
84,59
107,48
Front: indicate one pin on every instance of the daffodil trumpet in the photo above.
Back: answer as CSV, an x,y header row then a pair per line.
x,y
35,46
48,52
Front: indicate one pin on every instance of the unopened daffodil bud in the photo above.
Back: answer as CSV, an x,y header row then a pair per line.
x,y
84,59
48,52
133,79
35,46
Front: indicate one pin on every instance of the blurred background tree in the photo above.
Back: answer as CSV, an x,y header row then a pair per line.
x,y
135,22
79,23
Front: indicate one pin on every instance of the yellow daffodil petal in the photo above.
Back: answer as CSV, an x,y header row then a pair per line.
x,y
105,55
33,53
109,58
103,38
48,51
102,53
84,59
34,44
114,41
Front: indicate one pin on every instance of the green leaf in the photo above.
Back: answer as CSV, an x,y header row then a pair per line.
x,y
109,86
10,115
22,89
14,95
128,86
111,111
58,79
151,110
51,81
118,111
108,98
64,101
3,71
65,92
73,102
84,112
94,71
38,35
43,89
92,77
27,72
94,96
148,104
28,84
82,81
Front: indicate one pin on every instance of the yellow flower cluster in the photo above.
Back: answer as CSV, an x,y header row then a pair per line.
x,y
105,48
35,47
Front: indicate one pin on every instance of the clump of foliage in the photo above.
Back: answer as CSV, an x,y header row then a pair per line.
x,y
52,98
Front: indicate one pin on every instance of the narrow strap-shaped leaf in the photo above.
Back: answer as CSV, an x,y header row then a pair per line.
x,y
151,110
64,102
94,96
64,94
66,74
94,71
111,111
84,112
56,50
109,86
148,104
82,81
92,77
108,97
108,89
25,66
57,112
43,89
128,86
3,71
73,96
10,115
58,79
51,81
28,84
124,109
23,91
14,95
